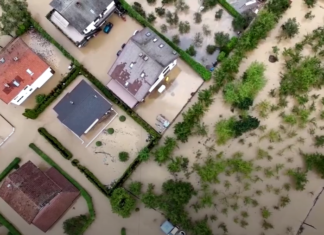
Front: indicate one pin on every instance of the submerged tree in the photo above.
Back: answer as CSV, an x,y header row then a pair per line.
x,y
290,28
310,3
221,39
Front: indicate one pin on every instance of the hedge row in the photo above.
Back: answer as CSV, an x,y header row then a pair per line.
x,y
49,98
55,143
199,68
83,192
110,96
13,165
228,7
9,226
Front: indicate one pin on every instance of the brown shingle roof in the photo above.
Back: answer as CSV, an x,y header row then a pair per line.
x,y
27,190
11,70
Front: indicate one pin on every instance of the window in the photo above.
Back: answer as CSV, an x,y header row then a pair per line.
x,y
142,75
148,34
155,40
161,45
131,65
29,72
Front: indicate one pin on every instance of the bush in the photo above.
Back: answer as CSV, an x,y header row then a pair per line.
x,y
144,154
221,39
151,1
242,22
83,192
123,156
245,124
98,143
75,162
191,51
160,11
219,14
310,3
111,131
138,8
230,45
299,177
184,27
55,143
210,49
123,231
75,225
290,28
122,118
172,18
209,4
225,130
221,56
151,18
40,98
181,5
197,17
122,203
9,168
135,188
314,161
176,39
164,28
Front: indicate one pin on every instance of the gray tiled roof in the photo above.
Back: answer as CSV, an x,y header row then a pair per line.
x,y
88,106
82,14
144,73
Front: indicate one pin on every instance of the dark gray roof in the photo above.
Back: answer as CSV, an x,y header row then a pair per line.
x,y
80,13
88,106
148,59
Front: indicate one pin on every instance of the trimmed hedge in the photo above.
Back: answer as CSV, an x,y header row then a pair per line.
x,y
9,226
83,192
199,68
64,83
228,7
10,167
55,143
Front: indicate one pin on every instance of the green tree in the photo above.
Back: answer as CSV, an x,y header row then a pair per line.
x,y
219,14
151,17
206,97
75,225
139,9
183,130
176,39
198,40
184,27
242,22
201,228
144,154
291,28
181,5
191,50
197,17
310,3
40,97
135,187
221,39
172,18
123,156
160,11
122,203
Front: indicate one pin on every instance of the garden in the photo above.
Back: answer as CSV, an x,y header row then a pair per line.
x,y
249,152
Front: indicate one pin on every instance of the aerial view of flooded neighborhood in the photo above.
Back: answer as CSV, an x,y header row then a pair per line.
x,y
166,117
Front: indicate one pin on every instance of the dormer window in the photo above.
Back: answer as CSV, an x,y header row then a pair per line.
x,y
131,65
148,34
161,45
155,40
142,74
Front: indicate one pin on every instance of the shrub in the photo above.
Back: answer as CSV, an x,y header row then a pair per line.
x,y
40,98
209,4
75,225
310,3
9,168
230,45
122,203
210,49
111,131
309,15
176,39
221,56
291,28
299,177
55,143
245,124
151,17
181,5
198,40
123,230
135,187
75,162
98,143
191,50
184,27
151,1
164,28
221,39
197,17
242,22
163,153
123,156
314,161
138,8
225,130
160,11
144,154
219,14
172,18
122,118
206,30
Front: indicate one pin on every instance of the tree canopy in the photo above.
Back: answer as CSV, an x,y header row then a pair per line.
x,y
75,225
122,203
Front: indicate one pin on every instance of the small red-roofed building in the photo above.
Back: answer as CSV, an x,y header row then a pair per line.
x,y
40,198
22,71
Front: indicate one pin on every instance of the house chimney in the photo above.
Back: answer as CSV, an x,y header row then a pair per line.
x,y
15,58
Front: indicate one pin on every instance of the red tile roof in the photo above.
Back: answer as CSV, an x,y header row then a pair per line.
x,y
39,198
47,217
11,70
